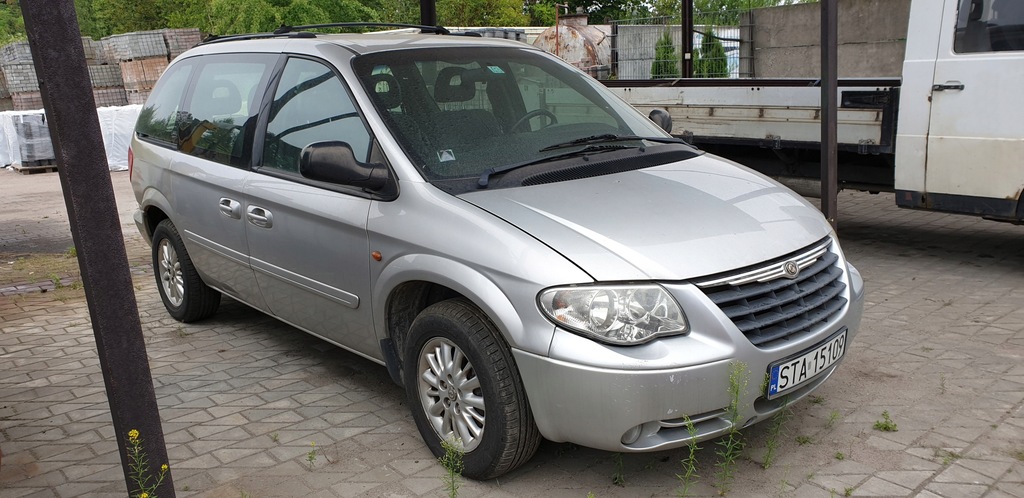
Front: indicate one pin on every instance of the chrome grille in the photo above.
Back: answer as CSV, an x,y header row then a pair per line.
x,y
769,307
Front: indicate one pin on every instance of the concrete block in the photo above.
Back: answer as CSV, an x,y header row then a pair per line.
x,y
180,40
107,97
27,101
105,76
20,77
137,45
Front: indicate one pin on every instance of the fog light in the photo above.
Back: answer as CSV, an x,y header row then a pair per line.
x,y
631,435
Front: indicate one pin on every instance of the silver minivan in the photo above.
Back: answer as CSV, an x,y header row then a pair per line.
x,y
524,252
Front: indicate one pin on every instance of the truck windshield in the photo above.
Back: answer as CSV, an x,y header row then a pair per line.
x,y
460,113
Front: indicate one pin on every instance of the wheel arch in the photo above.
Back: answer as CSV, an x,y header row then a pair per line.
x,y
410,284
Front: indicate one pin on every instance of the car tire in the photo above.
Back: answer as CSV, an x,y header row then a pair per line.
x,y
461,379
185,295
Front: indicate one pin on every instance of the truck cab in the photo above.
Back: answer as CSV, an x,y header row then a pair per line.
x,y
960,139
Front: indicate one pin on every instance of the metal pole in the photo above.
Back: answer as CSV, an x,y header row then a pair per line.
x,y
428,13
829,111
59,59
687,38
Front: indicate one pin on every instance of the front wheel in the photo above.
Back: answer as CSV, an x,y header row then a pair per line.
x,y
463,385
185,295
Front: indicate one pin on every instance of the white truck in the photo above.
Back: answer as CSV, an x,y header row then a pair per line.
x,y
947,136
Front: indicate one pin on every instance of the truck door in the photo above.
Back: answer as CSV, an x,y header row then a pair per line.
x,y
975,151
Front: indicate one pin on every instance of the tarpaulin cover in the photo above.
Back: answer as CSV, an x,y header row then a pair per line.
x,y
24,136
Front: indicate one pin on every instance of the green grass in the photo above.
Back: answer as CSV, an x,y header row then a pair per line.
x,y
689,475
804,440
453,464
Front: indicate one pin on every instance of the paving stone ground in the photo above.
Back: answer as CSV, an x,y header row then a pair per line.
x,y
243,398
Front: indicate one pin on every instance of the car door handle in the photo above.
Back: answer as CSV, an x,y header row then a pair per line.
x,y
259,217
949,85
231,208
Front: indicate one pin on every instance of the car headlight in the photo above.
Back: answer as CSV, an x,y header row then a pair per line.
x,y
618,314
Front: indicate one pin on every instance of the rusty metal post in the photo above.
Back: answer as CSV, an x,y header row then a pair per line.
x,y
829,110
59,59
428,13
687,38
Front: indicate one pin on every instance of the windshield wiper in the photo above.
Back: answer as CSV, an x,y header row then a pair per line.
x,y
590,149
611,137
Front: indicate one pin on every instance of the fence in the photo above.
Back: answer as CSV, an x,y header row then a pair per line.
x,y
652,48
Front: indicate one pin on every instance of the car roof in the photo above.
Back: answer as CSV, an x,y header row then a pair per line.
x,y
361,43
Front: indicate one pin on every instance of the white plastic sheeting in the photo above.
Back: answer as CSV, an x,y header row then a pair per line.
x,y
116,126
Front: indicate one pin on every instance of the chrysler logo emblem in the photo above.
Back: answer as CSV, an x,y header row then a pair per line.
x,y
791,269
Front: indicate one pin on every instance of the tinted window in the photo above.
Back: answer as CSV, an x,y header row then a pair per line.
x,y
989,26
158,118
223,108
311,105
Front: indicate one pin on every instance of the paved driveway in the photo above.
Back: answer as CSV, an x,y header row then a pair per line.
x,y
941,351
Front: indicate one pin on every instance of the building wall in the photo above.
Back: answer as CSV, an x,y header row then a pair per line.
x,y
872,39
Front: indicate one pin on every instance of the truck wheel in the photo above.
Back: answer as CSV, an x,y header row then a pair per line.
x,y
182,290
462,383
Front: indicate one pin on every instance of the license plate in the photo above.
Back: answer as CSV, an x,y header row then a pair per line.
x,y
791,373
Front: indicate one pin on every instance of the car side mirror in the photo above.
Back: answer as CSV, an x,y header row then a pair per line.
x,y
334,162
661,118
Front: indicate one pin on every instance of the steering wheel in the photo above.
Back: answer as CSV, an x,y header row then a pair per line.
x,y
532,114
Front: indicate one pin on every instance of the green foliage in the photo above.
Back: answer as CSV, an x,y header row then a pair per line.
x,y
145,483
12,25
886,424
709,59
619,476
731,445
775,430
452,461
666,63
689,475
480,13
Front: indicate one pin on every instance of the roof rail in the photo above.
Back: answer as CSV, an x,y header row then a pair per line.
x,y
440,30
300,31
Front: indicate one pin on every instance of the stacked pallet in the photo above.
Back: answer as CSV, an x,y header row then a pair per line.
x,y
142,57
21,88
180,40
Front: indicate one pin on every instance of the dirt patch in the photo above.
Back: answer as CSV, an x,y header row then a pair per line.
x,y
38,268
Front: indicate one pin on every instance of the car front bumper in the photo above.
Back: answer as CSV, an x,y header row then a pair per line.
x,y
636,408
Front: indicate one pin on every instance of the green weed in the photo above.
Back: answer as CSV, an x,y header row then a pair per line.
x,y
311,455
947,456
452,461
840,455
731,445
833,417
689,475
886,424
815,399
774,432
803,440
275,437
1018,454
145,482
619,476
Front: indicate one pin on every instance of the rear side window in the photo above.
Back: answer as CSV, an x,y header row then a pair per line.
x,y
223,107
158,118
311,105
989,26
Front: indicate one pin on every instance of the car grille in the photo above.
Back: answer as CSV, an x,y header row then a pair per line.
x,y
770,306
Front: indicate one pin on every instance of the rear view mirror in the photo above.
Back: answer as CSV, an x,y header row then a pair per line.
x,y
334,162
661,118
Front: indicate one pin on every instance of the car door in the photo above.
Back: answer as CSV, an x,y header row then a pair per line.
x,y
975,133
208,178
307,240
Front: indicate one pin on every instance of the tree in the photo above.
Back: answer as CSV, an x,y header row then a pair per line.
x,y
480,12
242,16
710,60
12,25
666,62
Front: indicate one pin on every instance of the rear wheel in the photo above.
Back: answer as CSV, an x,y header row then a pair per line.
x,y
182,290
463,384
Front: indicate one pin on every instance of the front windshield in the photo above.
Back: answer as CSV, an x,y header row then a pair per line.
x,y
461,112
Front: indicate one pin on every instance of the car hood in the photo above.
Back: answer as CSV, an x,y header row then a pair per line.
x,y
677,221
